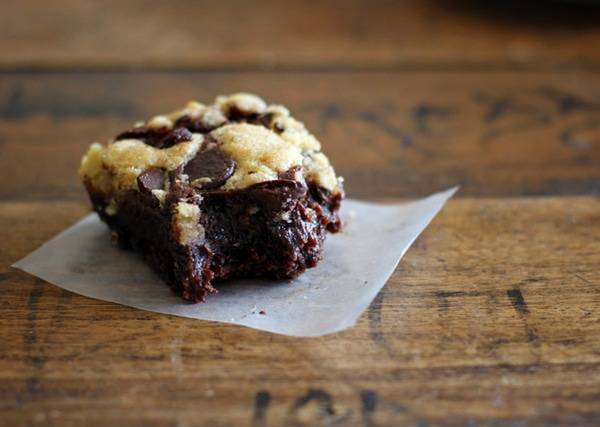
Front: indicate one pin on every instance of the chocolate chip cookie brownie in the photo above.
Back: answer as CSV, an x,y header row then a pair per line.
x,y
238,188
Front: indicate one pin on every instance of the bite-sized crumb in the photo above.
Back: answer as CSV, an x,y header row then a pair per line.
x,y
186,222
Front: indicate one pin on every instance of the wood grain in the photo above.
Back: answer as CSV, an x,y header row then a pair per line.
x,y
491,319
390,134
63,34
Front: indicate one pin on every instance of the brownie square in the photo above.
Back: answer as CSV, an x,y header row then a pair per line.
x,y
237,188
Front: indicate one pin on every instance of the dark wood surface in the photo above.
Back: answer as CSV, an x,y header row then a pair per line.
x,y
493,316
297,34
390,134
491,319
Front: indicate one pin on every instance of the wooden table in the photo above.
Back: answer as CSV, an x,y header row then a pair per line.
x,y
493,316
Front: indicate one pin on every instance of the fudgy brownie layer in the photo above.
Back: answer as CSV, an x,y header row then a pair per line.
x,y
274,229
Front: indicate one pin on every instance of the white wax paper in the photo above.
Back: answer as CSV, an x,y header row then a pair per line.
x,y
323,300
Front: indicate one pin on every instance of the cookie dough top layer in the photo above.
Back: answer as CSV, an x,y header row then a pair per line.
x,y
263,140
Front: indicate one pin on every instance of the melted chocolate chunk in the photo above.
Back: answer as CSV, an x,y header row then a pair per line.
x,y
210,169
151,179
176,136
190,124
277,194
150,136
159,138
236,115
265,120
194,125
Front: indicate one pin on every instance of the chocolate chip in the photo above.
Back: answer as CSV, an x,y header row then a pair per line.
x,y
176,136
264,120
235,114
150,136
159,137
151,179
195,125
209,169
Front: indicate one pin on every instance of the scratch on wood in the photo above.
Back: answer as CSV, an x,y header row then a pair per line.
x,y
325,411
443,297
30,338
262,401
369,405
534,279
517,301
13,107
521,116
567,102
375,317
59,312
582,278
520,305
380,122
442,300
314,394
424,113
497,107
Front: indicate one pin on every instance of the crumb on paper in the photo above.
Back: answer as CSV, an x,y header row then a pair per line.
x,y
256,310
